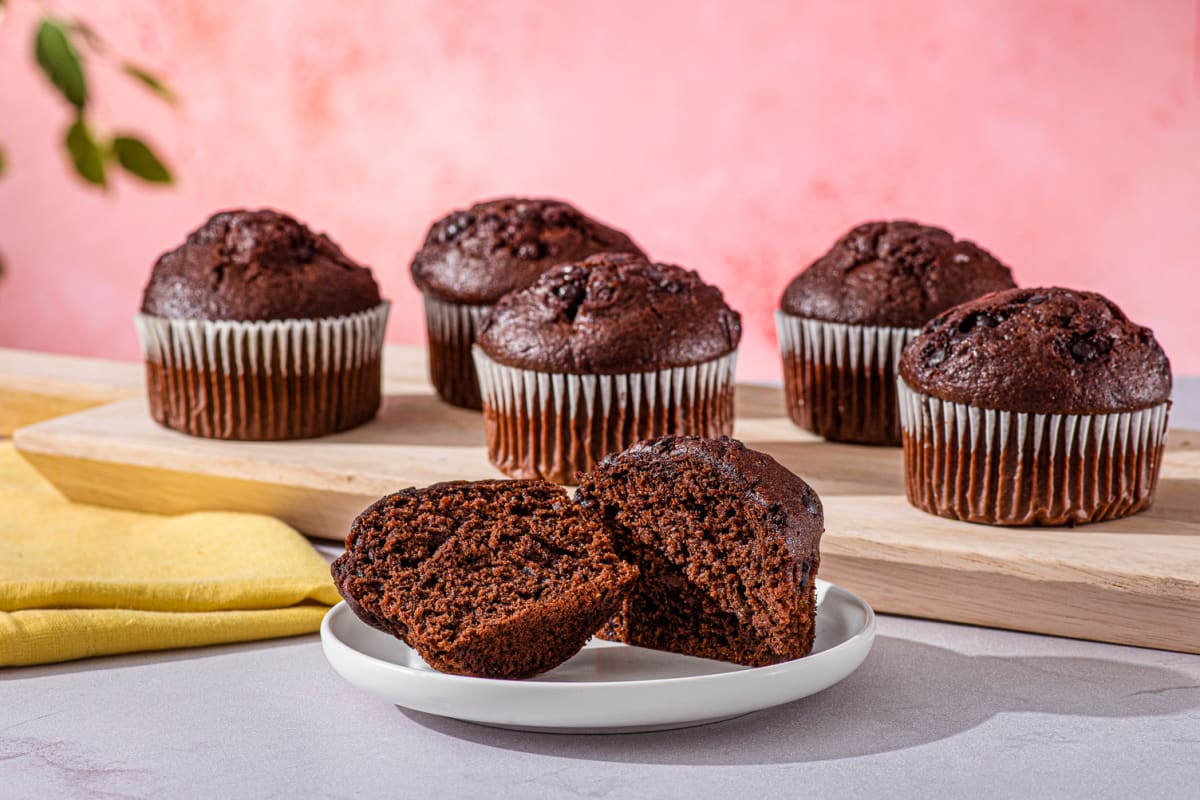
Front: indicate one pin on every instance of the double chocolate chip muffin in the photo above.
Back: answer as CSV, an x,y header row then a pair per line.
x,y
684,544
472,258
727,544
599,354
1034,407
845,319
495,579
258,328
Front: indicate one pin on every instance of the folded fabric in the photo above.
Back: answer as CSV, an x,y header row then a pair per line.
x,y
79,581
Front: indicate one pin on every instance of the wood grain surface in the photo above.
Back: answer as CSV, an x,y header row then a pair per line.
x,y
1132,581
37,386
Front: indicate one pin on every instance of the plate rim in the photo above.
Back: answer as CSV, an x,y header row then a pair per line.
x,y
328,638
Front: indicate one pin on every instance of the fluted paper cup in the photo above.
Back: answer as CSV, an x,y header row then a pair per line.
x,y
552,425
839,380
1008,468
279,379
452,328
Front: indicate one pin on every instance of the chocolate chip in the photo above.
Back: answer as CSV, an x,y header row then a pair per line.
x,y
603,292
573,294
1083,350
557,216
978,319
936,356
458,223
1089,347
531,249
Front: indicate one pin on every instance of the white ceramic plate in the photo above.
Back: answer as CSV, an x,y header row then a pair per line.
x,y
606,687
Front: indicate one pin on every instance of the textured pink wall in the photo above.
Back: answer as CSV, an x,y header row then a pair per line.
x,y
735,138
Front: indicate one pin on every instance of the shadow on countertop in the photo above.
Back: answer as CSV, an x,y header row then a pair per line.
x,y
921,694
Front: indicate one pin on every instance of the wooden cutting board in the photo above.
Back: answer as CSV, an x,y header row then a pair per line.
x,y
37,386
1132,581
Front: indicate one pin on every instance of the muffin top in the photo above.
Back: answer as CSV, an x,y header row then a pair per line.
x,y
893,274
478,255
256,266
612,313
792,509
1039,351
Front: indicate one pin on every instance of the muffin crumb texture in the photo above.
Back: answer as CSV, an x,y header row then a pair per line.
x,y
726,541
495,579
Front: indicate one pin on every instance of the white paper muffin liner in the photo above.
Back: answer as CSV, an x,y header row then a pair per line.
x,y
451,329
278,379
839,380
552,425
1009,468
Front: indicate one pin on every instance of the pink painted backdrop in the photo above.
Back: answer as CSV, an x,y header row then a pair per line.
x,y
735,138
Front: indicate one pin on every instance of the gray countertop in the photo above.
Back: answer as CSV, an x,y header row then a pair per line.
x,y
937,710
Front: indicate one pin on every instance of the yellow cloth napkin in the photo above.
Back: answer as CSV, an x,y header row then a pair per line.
x,y
79,581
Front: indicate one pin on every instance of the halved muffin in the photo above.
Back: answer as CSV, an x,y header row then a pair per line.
x,y
726,541
495,579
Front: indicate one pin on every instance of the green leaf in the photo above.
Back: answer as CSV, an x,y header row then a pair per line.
x,y
85,153
3,163
138,159
59,59
151,82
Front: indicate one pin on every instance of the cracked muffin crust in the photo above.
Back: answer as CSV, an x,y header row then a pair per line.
x,y
257,265
897,274
609,314
1039,351
479,254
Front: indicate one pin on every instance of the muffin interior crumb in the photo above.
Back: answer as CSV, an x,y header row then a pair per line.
x,y
478,576
724,573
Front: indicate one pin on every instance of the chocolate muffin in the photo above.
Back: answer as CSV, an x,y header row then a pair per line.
x,y
258,328
726,541
495,579
599,354
1034,407
474,257
844,320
